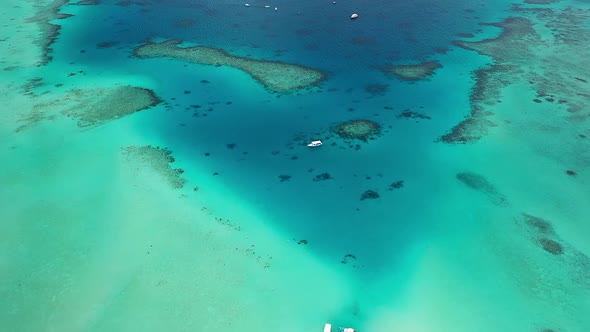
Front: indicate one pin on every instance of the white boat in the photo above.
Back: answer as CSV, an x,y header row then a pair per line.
x,y
328,328
353,16
315,143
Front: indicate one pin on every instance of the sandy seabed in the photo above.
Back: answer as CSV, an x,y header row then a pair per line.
x,y
99,237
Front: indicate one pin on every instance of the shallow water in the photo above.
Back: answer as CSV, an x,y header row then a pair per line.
x,y
93,242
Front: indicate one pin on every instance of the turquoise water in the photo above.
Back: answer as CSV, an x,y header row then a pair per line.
x,y
90,245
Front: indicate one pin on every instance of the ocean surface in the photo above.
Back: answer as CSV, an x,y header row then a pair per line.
x,y
488,235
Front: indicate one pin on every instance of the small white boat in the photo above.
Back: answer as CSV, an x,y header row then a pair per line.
x,y
267,6
353,16
328,328
315,143
247,4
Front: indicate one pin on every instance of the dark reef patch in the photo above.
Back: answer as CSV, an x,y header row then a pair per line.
x,y
540,225
369,194
284,178
540,2
322,177
157,159
481,184
86,2
348,258
32,84
185,22
412,115
465,35
396,185
360,129
412,72
551,246
106,44
376,89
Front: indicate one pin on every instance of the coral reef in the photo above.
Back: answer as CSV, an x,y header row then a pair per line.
x,y
106,44
274,75
546,268
541,225
49,31
551,246
412,72
396,185
521,55
322,177
90,107
359,129
86,2
542,233
412,115
541,2
284,178
376,89
102,105
369,194
479,183
347,258
156,159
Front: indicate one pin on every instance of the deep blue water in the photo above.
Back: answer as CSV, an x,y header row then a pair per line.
x,y
270,130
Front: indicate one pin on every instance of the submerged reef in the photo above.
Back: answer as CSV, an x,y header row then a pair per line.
x,y
396,185
479,183
103,105
412,115
369,194
284,177
551,246
376,89
541,2
156,159
86,2
28,32
274,75
540,225
90,107
546,268
521,55
543,234
413,72
322,177
359,129
49,31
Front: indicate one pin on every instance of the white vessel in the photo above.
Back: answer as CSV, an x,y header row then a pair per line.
x,y
315,143
353,16
328,328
